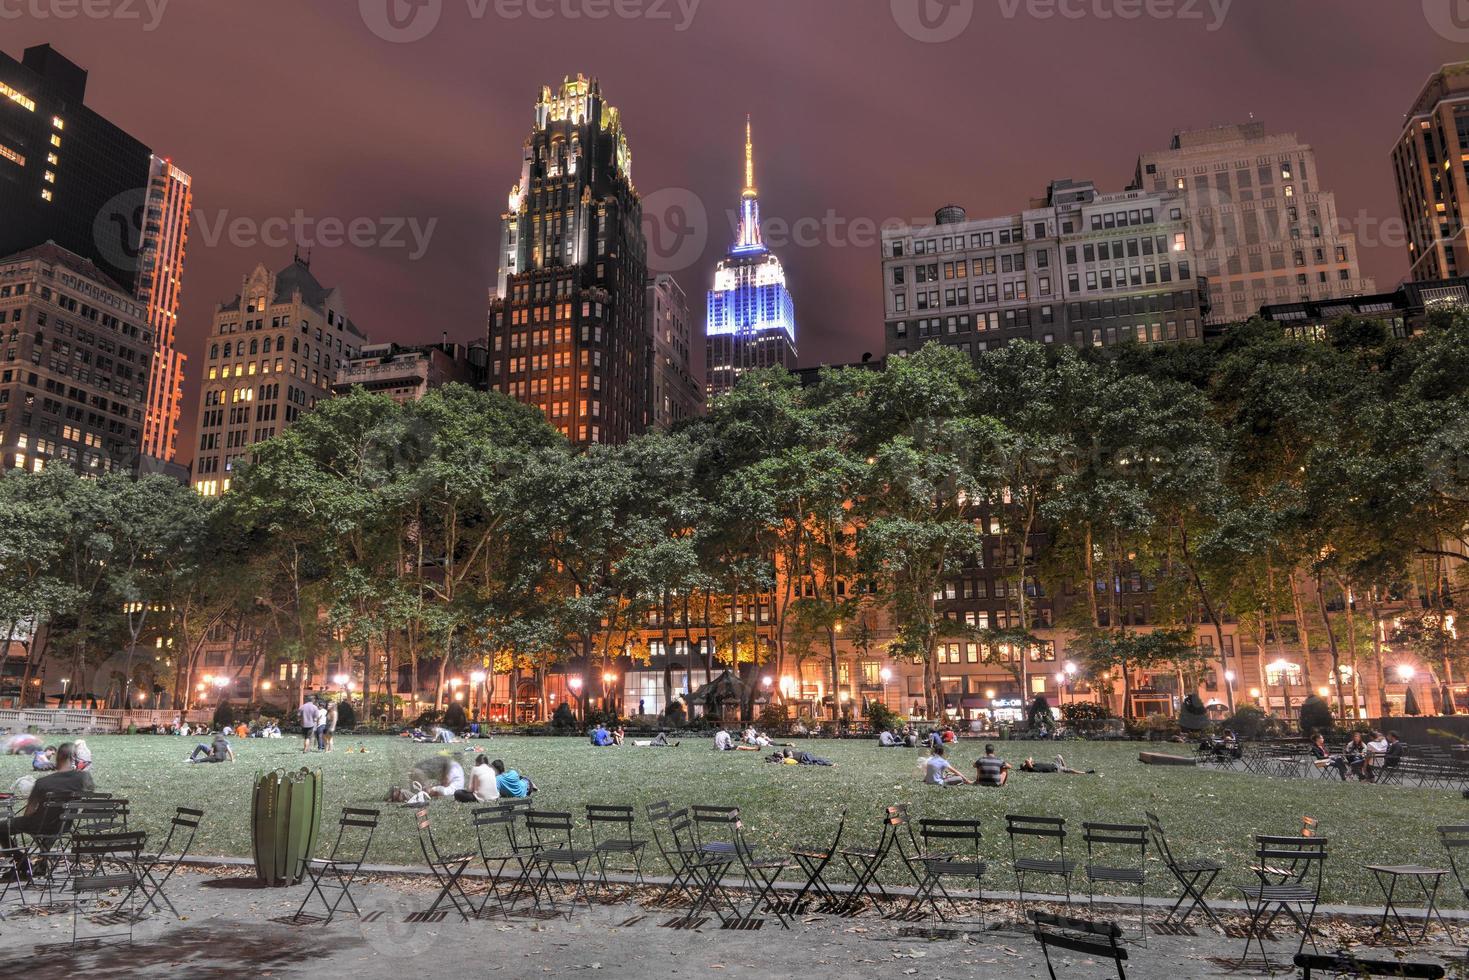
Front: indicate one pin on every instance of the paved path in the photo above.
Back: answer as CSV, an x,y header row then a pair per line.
x,y
234,929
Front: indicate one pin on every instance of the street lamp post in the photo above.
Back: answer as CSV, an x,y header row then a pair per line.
x,y
477,693
1229,684
886,674
575,684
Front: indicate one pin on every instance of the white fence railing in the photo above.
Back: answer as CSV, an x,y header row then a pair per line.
x,y
77,720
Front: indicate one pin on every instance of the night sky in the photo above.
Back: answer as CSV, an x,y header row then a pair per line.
x,y
863,112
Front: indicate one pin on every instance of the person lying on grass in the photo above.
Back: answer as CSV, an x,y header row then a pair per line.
x,y
1030,765
790,758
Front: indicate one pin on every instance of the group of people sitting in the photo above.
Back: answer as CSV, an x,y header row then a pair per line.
x,y
603,736
44,758
1359,758
989,769
750,740
908,737
70,778
436,733
444,778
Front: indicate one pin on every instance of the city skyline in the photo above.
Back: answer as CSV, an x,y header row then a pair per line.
x,y
831,162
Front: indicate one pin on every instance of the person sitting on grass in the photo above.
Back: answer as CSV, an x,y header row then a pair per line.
x,y
887,739
619,735
938,772
451,779
1030,765
483,785
216,751
44,759
724,742
601,737
990,769
511,783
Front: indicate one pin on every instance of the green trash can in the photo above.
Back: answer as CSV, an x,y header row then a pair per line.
x,y
284,821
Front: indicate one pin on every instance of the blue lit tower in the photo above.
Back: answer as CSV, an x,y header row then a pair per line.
x,y
752,320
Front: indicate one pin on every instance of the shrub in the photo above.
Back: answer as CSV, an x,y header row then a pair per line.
x,y
1040,717
1085,717
1154,726
426,719
346,716
773,717
563,719
675,716
881,717
1316,717
1193,717
1248,720
224,715
455,717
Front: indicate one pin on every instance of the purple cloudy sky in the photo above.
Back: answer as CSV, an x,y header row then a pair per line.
x,y
864,111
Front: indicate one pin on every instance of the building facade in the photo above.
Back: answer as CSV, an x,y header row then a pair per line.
x,y
1431,168
77,349
751,320
273,352
676,395
1264,229
568,328
166,211
1403,312
67,175
1077,267
405,373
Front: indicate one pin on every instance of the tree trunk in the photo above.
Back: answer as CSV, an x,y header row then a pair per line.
x,y
1341,707
1305,634
1384,706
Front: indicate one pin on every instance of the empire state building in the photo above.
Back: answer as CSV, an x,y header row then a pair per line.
x,y
752,319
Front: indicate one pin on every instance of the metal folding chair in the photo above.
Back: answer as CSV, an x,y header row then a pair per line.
x,y
499,847
1196,877
447,869
617,838
556,851
966,861
155,869
716,851
813,861
762,873
1039,859
1097,939
865,863
1297,895
104,864
672,834
1106,843
343,862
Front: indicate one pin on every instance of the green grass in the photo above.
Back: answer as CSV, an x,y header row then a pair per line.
x,y
1206,813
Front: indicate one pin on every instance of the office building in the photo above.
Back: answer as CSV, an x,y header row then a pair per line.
x,y
166,211
67,175
1431,168
568,326
1077,266
1265,230
751,321
77,348
676,395
407,373
273,352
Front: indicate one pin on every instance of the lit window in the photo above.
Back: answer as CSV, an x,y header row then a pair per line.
x,y
11,155
17,97
1180,242
49,177
58,122
55,140
46,194
53,159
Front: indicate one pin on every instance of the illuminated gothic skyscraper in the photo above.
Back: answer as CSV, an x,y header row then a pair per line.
x,y
752,320
568,324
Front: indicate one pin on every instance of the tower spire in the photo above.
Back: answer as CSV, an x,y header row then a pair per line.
x,y
749,160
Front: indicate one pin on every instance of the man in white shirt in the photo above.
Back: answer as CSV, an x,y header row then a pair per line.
x,y
722,741
308,723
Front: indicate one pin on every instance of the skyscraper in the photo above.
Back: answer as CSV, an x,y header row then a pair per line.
x,y
1432,176
1265,230
568,326
165,234
67,175
751,319
275,350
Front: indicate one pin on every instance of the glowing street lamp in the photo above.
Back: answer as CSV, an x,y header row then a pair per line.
x,y
575,684
1406,673
476,679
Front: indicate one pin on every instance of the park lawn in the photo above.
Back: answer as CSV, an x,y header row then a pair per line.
x,y
1206,813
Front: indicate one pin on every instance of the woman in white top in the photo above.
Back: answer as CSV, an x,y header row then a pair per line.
x,y
482,784
453,780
